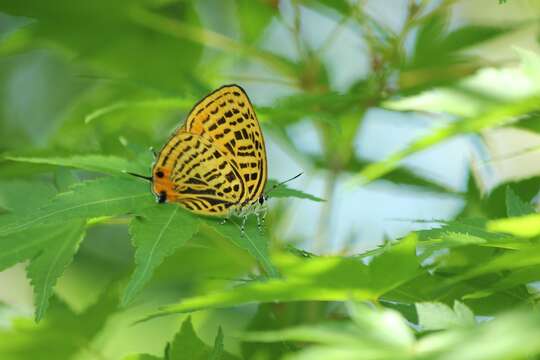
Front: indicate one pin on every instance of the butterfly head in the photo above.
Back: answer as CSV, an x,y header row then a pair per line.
x,y
161,184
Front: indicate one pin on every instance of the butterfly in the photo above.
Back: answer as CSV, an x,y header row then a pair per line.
x,y
215,163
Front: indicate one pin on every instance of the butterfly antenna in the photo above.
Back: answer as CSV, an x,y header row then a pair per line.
x,y
284,182
148,178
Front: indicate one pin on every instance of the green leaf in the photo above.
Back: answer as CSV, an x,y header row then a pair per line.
x,y
317,279
142,357
498,116
509,336
20,195
217,351
454,234
64,179
157,232
187,345
119,56
50,249
254,17
62,335
45,269
523,226
95,198
439,316
515,206
401,258
107,164
254,241
282,191
511,260
373,334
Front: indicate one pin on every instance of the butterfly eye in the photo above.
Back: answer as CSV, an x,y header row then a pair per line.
x,y
159,174
261,200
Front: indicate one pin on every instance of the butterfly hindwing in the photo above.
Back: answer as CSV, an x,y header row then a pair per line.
x,y
227,119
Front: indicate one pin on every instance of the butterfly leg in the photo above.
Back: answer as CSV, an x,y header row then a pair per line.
x,y
263,217
259,224
223,221
242,228
151,148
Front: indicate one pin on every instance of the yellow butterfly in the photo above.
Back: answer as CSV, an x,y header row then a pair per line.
x,y
215,163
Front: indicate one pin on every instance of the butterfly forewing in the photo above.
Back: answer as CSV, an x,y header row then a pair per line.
x,y
217,159
198,175
227,118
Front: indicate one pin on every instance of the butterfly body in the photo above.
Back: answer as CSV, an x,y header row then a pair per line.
x,y
215,163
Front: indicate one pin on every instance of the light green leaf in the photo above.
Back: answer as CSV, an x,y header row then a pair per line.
x,y
160,103
454,234
509,336
497,116
378,323
107,164
283,191
102,197
157,232
523,226
50,248
439,316
515,206
374,334
315,279
142,357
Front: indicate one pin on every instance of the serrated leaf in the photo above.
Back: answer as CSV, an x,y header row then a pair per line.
x,y
157,232
107,164
187,345
253,241
515,206
103,197
283,191
401,258
316,279
466,232
439,316
217,351
45,269
50,250
20,195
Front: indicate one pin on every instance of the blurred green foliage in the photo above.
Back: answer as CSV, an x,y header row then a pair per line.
x,y
87,87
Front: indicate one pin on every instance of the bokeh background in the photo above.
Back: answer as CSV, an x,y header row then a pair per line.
x,y
328,79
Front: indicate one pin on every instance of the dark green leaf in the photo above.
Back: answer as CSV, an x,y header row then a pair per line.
x,y
102,197
515,206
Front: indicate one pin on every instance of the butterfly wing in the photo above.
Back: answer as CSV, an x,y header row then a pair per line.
x,y
227,119
192,171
